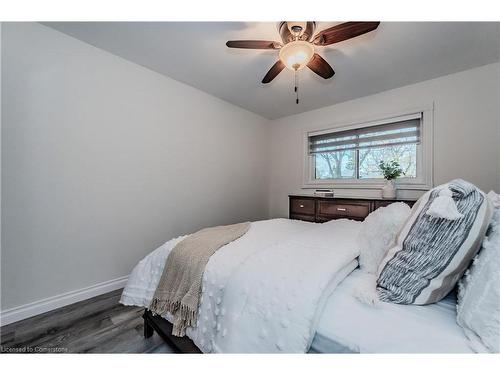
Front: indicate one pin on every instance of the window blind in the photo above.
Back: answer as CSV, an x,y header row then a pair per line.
x,y
399,132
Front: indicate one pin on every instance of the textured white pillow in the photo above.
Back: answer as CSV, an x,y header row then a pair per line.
x,y
478,308
378,233
494,198
376,236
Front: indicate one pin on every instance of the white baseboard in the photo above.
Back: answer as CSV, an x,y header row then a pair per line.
x,y
41,306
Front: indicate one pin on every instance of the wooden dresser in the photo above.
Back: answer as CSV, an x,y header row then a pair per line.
x,y
320,209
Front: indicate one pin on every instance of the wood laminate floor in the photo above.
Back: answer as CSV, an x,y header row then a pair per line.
x,y
96,325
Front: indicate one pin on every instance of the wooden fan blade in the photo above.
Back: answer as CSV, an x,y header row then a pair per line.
x,y
319,66
273,72
253,44
343,31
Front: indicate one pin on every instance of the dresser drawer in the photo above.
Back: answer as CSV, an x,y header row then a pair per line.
x,y
338,209
302,206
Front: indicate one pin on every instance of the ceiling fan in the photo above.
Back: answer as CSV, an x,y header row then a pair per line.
x,y
298,47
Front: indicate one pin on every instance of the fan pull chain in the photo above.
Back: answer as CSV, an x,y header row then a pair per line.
x,y
296,87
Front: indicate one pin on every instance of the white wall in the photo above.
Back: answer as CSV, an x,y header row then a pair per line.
x,y
466,130
103,161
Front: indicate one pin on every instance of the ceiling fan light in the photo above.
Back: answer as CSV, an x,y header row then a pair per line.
x,y
295,55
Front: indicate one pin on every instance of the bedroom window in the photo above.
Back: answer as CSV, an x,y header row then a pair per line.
x,y
350,155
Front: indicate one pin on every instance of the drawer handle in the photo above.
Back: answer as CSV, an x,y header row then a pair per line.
x,y
341,209
301,205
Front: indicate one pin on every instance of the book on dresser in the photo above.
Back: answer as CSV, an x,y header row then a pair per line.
x,y
320,209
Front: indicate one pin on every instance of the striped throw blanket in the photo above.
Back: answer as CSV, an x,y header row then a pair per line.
x,y
179,289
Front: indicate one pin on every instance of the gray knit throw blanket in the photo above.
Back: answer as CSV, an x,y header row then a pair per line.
x,y
179,289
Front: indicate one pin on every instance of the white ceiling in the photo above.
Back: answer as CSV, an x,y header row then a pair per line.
x,y
394,55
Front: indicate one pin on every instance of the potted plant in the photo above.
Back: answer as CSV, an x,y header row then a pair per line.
x,y
391,170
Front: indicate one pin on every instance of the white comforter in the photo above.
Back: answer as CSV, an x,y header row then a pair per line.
x,y
265,291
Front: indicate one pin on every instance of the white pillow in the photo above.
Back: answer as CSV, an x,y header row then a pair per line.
x,y
378,233
478,308
376,236
494,198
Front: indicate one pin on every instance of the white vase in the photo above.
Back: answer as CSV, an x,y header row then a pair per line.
x,y
389,190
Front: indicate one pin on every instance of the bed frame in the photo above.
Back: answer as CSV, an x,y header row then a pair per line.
x,y
155,323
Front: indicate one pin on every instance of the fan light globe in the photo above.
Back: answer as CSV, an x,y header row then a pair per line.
x,y
295,55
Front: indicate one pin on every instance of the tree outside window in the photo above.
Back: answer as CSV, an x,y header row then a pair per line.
x,y
363,163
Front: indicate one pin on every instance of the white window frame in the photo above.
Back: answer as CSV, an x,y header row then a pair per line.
x,y
424,179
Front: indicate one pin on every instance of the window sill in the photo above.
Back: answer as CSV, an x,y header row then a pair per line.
x,y
368,184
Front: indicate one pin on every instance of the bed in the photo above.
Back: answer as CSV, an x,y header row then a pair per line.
x,y
257,282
